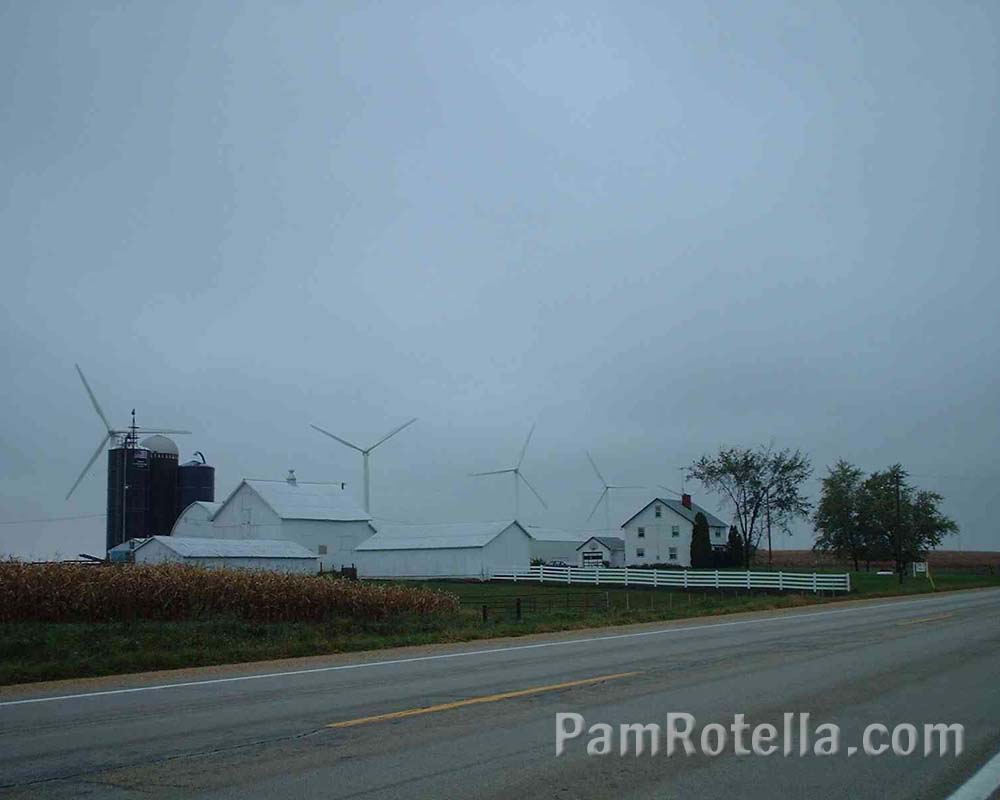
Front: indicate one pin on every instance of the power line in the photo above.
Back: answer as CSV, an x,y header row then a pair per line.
x,y
49,519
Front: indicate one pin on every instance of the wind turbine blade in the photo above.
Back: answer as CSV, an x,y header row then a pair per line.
x,y
492,472
334,436
672,491
599,475
597,505
627,487
391,433
525,448
90,463
160,430
536,494
97,406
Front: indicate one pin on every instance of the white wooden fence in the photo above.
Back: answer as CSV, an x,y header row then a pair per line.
x,y
686,579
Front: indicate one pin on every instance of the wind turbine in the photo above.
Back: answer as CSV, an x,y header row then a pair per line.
x,y
605,495
365,452
518,477
116,434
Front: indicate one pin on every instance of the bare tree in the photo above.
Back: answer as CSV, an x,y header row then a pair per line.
x,y
750,479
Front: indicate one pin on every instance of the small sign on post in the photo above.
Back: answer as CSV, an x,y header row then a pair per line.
x,y
919,569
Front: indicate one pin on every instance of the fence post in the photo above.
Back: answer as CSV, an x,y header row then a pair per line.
x,y
685,579
781,581
569,574
485,612
515,574
814,583
749,582
541,573
517,608
848,576
717,580
626,583
656,578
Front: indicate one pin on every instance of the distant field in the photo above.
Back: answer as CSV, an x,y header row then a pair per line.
x,y
987,561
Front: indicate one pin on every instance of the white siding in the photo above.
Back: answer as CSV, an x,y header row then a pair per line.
x,y
194,521
154,552
659,538
511,548
246,516
614,558
549,550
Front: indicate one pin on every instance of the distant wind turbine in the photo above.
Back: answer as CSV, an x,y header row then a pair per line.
x,y
114,436
365,453
605,495
518,478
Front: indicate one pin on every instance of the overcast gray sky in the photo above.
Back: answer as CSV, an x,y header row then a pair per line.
x,y
654,228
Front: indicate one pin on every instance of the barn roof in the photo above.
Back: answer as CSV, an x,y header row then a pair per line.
x,y
206,506
196,547
436,537
303,500
554,534
683,510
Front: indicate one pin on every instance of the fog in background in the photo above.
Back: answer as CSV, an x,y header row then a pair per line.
x,y
653,228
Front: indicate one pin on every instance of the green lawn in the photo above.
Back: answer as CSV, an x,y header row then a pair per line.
x,y
46,651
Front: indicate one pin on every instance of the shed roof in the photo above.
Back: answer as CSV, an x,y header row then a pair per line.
x,y
436,537
196,547
303,500
683,510
613,543
554,534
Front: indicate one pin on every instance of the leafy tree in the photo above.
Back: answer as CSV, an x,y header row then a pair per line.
x,y
837,519
901,522
701,543
750,478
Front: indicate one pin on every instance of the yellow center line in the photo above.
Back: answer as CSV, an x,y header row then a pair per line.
x,y
472,701
926,619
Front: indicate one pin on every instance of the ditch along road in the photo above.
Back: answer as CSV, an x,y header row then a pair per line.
x,y
478,719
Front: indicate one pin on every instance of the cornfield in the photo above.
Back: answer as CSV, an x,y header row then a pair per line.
x,y
82,593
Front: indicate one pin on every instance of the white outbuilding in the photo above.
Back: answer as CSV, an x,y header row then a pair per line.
x,y
321,517
463,550
601,551
258,554
555,544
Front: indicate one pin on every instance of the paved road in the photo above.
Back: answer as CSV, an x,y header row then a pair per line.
x,y
934,659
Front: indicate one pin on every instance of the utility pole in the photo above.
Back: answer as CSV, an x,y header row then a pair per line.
x,y
899,539
767,508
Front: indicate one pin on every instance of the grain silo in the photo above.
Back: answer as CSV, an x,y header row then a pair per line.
x,y
163,471
195,482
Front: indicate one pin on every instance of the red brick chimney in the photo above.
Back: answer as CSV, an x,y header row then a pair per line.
x,y
686,500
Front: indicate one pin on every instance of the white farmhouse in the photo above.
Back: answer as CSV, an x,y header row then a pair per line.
x,y
554,544
257,554
660,532
463,550
601,551
319,516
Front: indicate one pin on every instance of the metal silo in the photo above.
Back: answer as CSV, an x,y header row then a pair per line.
x,y
162,485
128,493
195,481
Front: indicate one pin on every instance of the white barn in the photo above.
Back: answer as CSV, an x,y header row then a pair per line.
x,y
660,532
553,544
601,551
463,550
321,517
195,519
258,554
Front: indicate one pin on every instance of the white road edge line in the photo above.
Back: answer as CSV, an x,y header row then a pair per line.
x,y
983,784
465,653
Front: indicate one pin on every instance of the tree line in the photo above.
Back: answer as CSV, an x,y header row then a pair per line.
x,y
881,516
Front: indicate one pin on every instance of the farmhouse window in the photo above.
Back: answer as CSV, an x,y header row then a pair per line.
x,y
642,533
675,530
673,553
